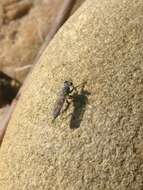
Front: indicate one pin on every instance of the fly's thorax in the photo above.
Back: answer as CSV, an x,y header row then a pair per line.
x,y
66,89
68,86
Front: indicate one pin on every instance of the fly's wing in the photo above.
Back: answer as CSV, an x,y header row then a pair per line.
x,y
58,106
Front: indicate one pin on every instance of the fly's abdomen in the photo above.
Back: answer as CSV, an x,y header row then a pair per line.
x,y
58,106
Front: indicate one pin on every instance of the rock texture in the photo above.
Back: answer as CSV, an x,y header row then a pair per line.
x,y
97,143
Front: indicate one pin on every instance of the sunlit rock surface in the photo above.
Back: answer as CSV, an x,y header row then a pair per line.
x,y
97,143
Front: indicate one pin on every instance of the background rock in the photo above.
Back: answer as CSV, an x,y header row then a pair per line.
x,y
23,27
97,143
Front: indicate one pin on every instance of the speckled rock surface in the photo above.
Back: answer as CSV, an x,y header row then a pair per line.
x,y
97,143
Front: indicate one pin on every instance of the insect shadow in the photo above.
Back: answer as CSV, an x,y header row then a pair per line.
x,y
80,100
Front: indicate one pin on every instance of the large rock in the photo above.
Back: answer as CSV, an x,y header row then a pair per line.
x,y
97,143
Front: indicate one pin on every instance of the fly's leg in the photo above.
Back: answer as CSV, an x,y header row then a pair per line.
x,y
69,99
73,89
67,106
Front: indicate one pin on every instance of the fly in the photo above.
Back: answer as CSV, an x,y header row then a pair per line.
x,y
62,98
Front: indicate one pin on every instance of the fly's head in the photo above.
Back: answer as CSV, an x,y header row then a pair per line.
x,y
68,87
68,83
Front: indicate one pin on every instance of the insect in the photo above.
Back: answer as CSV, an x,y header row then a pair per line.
x,y
64,94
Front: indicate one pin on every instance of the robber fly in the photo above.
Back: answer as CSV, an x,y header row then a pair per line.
x,y
64,94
